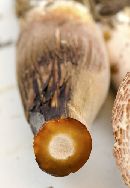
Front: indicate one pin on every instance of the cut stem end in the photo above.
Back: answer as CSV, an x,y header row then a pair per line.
x,y
62,146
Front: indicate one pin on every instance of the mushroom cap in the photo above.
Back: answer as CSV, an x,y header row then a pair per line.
x,y
121,128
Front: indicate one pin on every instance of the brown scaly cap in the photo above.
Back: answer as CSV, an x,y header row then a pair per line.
x,y
121,128
62,146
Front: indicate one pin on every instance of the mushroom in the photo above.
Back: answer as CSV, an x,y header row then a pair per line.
x,y
121,128
114,19
118,45
63,77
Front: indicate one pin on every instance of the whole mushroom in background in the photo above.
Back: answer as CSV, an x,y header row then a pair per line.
x,y
118,46
113,16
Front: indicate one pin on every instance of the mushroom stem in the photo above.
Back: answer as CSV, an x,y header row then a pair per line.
x,y
61,68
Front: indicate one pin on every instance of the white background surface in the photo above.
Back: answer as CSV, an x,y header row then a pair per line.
x,y
18,168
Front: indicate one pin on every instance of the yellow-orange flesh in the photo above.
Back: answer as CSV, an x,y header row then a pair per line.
x,y
62,146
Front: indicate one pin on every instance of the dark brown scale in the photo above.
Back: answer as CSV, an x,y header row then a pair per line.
x,y
52,85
